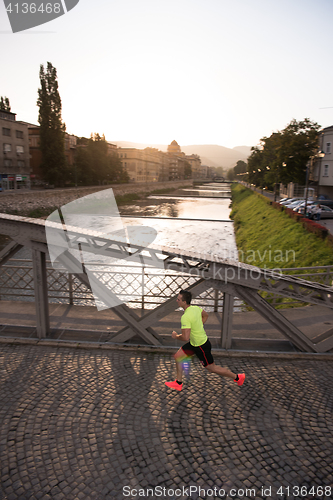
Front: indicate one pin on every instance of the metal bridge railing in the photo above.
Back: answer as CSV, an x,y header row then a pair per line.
x,y
137,286
318,274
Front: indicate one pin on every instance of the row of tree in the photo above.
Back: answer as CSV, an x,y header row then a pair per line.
x,y
93,165
284,155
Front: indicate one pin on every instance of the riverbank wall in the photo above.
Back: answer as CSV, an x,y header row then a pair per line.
x,y
43,201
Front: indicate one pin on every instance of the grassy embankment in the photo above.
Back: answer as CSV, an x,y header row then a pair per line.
x,y
270,239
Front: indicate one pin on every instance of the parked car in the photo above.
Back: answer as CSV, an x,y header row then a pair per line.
x,y
326,212
283,200
294,204
327,203
287,201
300,208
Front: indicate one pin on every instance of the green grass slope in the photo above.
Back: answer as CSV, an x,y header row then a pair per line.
x,y
268,238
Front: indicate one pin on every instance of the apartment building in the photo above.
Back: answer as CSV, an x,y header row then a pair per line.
x,y
14,153
144,165
178,162
152,165
323,167
195,162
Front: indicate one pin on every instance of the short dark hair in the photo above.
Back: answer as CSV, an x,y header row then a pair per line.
x,y
187,296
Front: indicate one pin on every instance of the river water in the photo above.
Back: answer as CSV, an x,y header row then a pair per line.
x,y
188,220
198,223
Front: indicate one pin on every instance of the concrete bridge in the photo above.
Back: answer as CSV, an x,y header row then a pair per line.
x,y
232,278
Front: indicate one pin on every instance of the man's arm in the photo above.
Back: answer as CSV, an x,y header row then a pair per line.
x,y
185,335
204,316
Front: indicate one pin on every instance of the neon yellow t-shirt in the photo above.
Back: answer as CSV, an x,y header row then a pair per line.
x,y
192,319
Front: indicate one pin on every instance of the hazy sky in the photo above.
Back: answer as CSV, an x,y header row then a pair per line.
x,y
224,72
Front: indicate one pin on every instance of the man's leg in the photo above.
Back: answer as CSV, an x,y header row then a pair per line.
x,y
223,372
179,358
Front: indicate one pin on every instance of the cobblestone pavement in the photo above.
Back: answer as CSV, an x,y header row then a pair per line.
x,y
94,424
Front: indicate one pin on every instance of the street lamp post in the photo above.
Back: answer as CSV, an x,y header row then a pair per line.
x,y
277,178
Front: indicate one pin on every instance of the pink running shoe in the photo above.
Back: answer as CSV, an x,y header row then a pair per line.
x,y
241,378
174,385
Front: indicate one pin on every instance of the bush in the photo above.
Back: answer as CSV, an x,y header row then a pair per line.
x,y
278,206
314,227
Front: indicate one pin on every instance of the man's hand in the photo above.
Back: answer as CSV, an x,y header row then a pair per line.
x,y
174,335
204,316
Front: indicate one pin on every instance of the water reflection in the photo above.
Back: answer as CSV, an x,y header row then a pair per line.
x,y
177,207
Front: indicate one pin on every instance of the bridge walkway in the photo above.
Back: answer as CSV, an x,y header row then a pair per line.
x,y
70,323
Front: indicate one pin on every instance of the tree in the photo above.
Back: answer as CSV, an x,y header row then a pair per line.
x,y
52,129
241,167
95,164
4,104
284,155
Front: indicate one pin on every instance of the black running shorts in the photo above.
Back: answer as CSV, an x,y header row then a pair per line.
x,y
203,352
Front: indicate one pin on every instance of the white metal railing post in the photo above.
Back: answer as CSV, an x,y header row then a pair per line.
x,y
41,298
226,327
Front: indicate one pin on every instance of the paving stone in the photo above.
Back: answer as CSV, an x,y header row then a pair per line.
x,y
82,424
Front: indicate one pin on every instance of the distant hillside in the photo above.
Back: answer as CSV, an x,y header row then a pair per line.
x,y
211,155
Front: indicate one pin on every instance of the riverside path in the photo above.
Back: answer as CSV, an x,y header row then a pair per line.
x,y
98,424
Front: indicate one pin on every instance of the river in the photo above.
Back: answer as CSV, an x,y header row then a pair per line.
x,y
188,220
198,223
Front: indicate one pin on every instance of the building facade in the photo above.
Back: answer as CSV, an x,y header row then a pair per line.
x,y
14,153
152,165
323,167
144,165
195,162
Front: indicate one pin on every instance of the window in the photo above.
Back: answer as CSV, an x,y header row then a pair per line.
x,y
325,171
8,163
19,134
20,163
19,150
328,147
7,148
6,131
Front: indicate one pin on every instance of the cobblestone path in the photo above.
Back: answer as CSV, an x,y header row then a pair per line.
x,y
93,424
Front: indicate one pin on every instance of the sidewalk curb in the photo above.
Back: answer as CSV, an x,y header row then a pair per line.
x,y
218,353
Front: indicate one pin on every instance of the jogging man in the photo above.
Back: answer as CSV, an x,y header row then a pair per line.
x,y
197,343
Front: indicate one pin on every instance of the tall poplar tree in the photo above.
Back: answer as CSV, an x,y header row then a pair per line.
x,y
52,129
4,104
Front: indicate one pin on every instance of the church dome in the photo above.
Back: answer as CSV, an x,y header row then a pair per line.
x,y
174,147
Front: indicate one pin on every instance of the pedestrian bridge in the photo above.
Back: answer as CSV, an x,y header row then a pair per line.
x,y
232,278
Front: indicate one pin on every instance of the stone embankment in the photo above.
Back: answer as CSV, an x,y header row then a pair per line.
x,y
24,202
